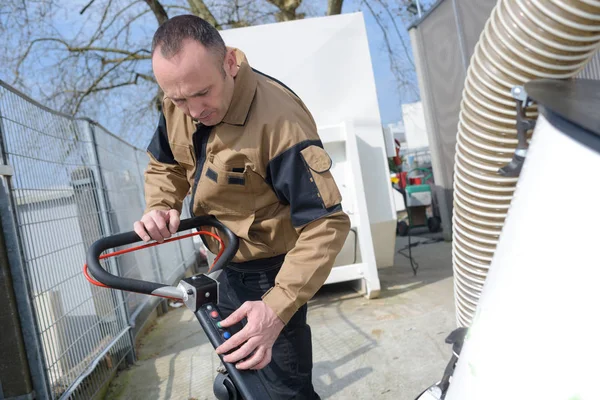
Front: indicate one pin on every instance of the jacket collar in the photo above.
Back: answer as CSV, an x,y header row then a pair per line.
x,y
244,90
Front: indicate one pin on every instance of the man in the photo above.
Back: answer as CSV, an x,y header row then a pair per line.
x,y
246,150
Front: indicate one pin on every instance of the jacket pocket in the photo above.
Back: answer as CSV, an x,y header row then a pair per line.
x,y
225,189
319,164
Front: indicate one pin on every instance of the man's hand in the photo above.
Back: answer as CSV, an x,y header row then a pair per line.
x,y
158,225
259,334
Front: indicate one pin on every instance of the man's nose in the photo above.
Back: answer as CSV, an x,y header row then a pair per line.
x,y
195,112
196,109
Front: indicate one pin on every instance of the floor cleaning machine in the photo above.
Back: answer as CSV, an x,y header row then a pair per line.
x,y
200,293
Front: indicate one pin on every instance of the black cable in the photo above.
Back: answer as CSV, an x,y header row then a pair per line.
x,y
410,257
414,264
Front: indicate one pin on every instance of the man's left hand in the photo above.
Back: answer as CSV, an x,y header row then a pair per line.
x,y
258,336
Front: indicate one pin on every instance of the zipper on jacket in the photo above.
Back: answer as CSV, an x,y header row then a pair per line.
x,y
199,139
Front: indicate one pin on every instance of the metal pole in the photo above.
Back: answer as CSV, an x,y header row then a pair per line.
x,y
20,281
107,229
153,253
14,368
418,7
461,37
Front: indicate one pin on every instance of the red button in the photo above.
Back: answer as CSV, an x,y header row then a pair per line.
x,y
214,314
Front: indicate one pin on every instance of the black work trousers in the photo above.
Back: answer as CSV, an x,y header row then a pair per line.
x,y
289,374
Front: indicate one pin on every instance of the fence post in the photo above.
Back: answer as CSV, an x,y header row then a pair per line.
x,y
105,227
85,187
28,362
15,379
153,251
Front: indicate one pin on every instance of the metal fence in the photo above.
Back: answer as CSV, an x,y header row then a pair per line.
x,y
72,183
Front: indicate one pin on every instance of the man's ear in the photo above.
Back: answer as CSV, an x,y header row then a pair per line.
x,y
230,63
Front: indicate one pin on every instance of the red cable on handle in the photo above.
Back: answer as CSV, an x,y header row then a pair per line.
x,y
132,249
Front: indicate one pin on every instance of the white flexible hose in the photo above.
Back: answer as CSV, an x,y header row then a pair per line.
x,y
522,40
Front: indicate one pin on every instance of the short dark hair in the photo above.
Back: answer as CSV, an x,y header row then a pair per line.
x,y
170,36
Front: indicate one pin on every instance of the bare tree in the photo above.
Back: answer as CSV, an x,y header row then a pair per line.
x,y
83,71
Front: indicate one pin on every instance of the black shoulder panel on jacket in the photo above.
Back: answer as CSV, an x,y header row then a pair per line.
x,y
275,80
159,145
290,178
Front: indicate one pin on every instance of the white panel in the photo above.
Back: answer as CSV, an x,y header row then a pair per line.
x,y
325,60
345,273
414,124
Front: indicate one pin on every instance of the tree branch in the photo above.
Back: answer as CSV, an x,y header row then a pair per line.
x,y
92,87
98,32
200,9
103,88
131,57
287,9
406,52
145,77
132,54
186,9
101,30
86,7
334,7
126,26
158,10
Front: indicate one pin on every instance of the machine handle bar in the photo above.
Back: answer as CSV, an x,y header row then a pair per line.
x,y
153,288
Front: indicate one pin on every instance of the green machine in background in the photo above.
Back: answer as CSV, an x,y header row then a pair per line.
x,y
420,207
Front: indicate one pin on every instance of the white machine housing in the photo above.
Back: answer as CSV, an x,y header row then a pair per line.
x,y
535,331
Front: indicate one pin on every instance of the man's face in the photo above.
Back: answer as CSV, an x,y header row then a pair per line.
x,y
196,81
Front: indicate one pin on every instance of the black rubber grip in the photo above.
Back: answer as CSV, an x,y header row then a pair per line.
x,y
145,287
250,383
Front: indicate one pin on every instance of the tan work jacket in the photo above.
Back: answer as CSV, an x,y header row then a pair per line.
x,y
263,173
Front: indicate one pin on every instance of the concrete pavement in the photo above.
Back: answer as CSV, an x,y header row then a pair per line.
x,y
391,347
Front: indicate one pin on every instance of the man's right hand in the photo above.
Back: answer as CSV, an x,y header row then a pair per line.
x,y
157,224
